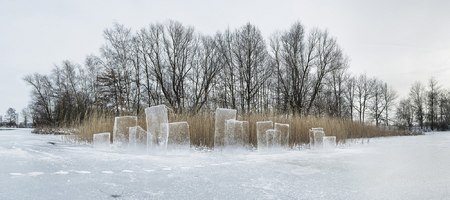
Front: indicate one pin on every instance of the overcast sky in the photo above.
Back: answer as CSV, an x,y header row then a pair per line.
x,y
399,42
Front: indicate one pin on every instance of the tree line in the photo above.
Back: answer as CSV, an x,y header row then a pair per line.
x,y
426,106
297,72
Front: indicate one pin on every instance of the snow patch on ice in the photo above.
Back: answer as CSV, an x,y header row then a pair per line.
x,y
166,169
35,173
127,171
61,172
107,172
83,172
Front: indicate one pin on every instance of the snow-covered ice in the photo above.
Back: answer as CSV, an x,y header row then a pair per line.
x,y
409,167
121,130
222,115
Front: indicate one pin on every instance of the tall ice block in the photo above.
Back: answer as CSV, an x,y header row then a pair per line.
x,y
261,129
222,115
157,117
179,137
121,130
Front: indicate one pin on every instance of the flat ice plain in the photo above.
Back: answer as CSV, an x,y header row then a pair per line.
x,y
411,167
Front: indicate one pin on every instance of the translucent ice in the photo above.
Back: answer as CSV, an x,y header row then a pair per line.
x,y
138,139
311,136
236,135
284,129
179,137
329,143
121,130
318,140
102,140
157,117
261,128
222,115
273,139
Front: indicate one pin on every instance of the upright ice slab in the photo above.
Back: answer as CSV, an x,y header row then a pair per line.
x,y
311,136
222,115
138,139
179,137
318,140
236,135
329,143
284,129
157,117
261,129
102,140
121,130
273,139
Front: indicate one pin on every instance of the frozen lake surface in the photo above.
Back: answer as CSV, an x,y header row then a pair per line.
x,y
412,167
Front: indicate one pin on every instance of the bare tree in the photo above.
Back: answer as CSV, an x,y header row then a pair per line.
x,y
350,86
404,113
417,96
250,54
363,95
26,116
377,106
390,95
41,98
10,116
433,102
293,58
329,58
205,67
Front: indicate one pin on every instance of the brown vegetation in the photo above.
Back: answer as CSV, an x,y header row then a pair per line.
x,y
201,127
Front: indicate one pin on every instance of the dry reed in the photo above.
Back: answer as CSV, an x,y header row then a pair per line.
x,y
201,127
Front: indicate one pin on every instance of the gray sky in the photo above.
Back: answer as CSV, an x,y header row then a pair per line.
x,y
397,41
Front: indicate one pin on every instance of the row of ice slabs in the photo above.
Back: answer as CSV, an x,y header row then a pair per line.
x,y
230,134
127,133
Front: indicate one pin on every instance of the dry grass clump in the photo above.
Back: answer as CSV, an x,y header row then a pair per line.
x,y
201,127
